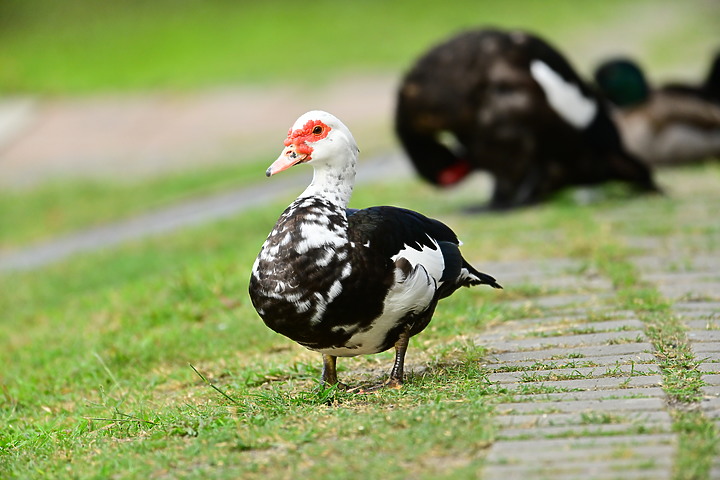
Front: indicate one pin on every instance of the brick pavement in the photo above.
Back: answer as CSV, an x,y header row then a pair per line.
x,y
585,385
586,391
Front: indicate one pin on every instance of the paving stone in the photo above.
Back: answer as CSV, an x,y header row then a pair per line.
x,y
576,458
709,367
580,352
568,340
585,430
711,405
592,470
711,390
694,262
693,277
616,406
594,394
704,336
707,357
711,379
712,412
577,373
644,243
523,328
573,283
605,360
703,323
692,290
557,300
533,268
520,447
700,314
710,307
704,349
577,418
601,383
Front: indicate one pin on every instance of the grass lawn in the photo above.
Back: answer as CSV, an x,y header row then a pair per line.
x,y
80,46
97,351
56,208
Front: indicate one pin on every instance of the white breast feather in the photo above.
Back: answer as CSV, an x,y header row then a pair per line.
x,y
316,235
564,97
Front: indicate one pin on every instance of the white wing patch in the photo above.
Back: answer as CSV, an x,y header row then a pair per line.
x,y
431,260
564,97
409,294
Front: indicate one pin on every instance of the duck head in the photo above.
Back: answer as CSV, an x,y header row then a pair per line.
x,y
317,138
622,82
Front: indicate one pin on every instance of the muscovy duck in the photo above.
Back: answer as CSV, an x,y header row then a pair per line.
x,y
671,125
508,103
347,282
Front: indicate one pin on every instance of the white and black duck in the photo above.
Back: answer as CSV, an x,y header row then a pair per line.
x,y
671,125
514,107
347,282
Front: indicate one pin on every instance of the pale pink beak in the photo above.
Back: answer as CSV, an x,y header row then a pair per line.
x,y
287,159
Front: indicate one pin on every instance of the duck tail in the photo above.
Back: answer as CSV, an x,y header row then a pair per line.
x,y
470,277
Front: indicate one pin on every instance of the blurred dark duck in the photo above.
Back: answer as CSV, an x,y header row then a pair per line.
x,y
672,125
508,103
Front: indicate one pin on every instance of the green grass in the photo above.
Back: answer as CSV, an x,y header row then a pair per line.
x,y
60,207
83,46
97,352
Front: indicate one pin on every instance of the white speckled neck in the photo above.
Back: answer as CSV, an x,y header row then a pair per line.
x,y
334,180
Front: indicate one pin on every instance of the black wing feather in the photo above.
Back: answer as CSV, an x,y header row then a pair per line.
x,y
390,229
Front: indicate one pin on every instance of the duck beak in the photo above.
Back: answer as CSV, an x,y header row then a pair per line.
x,y
287,159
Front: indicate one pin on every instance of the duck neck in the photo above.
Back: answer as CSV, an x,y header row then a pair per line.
x,y
332,184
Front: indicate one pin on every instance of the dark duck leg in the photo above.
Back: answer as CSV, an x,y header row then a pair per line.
x,y
397,374
329,372
371,278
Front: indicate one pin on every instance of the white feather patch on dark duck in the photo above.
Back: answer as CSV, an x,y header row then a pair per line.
x,y
564,97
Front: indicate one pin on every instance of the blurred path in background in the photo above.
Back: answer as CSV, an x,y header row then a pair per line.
x,y
121,136
186,214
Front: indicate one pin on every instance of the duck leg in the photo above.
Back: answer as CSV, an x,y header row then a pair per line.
x,y
398,370
329,372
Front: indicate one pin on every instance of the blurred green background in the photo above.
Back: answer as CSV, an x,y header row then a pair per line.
x,y
95,348
78,46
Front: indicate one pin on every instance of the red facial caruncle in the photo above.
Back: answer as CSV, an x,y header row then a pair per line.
x,y
312,131
298,146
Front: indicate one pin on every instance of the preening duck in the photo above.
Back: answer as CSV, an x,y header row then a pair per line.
x,y
671,125
513,106
346,282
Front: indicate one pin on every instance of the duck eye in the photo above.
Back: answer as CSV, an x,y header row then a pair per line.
x,y
317,130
